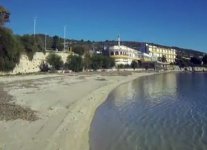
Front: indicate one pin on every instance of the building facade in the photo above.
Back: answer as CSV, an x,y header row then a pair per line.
x,y
159,51
124,55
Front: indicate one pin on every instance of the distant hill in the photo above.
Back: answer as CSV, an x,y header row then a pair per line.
x,y
184,51
180,51
189,52
100,45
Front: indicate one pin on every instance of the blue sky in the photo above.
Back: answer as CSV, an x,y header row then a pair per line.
x,y
180,23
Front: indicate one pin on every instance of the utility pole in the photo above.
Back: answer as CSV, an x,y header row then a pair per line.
x,y
64,37
35,21
45,42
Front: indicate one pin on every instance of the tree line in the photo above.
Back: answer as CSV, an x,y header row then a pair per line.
x,y
191,62
77,63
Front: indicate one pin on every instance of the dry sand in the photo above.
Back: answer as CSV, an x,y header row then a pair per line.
x,y
64,105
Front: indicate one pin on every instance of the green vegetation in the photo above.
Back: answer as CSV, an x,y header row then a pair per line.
x,y
9,50
134,64
122,66
4,15
192,62
79,50
108,62
44,67
57,43
55,61
204,59
195,61
9,45
101,62
29,45
87,61
162,59
74,63
182,62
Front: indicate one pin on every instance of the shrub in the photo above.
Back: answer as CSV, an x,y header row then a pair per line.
x,y
101,62
74,63
44,67
204,60
195,61
79,50
55,61
10,50
30,45
134,64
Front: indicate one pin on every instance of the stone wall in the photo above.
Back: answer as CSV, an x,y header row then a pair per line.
x,y
27,66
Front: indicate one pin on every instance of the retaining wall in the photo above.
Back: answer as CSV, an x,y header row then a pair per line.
x,y
27,66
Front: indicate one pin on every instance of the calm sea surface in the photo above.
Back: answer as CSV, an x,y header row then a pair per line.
x,y
160,112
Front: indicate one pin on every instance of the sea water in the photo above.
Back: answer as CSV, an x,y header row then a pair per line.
x,y
159,112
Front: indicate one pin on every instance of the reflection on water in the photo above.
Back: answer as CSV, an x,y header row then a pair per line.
x,y
161,112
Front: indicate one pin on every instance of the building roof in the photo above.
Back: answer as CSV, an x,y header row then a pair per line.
x,y
123,48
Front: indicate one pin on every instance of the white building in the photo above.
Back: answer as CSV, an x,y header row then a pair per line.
x,y
123,54
159,51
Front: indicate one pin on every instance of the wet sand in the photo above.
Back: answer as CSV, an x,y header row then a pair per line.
x,y
56,110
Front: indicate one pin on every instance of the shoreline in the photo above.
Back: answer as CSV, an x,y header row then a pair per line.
x,y
63,123
84,144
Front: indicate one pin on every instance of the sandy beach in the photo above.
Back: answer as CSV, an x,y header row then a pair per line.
x,y
53,111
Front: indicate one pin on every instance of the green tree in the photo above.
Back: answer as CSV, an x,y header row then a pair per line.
x,y
159,59
79,50
87,61
182,62
134,64
44,67
107,62
57,43
40,43
74,63
204,59
121,66
195,61
101,62
96,62
30,46
55,61
10,48
4,15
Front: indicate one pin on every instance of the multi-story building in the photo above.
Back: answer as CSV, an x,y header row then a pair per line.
x,y
159,51
124,55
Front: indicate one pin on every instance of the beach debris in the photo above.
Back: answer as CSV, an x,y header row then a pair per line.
x,y
11,111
